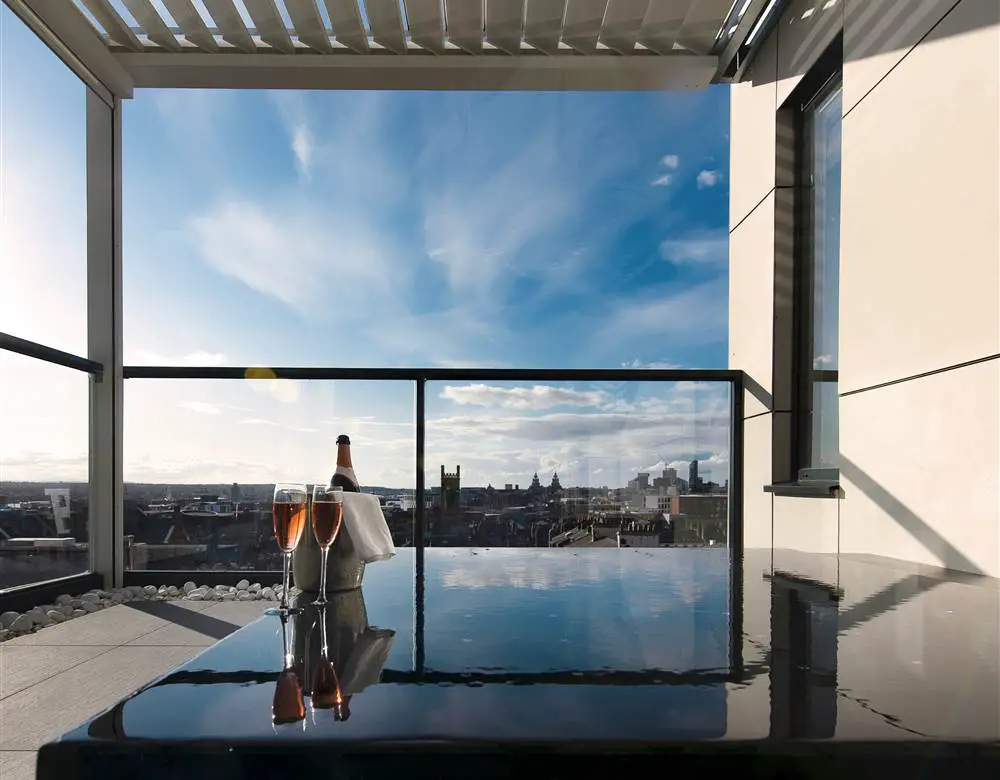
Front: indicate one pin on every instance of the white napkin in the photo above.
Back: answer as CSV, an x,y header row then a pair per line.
x,y
367,526
370,653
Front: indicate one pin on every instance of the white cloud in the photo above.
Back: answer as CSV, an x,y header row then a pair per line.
x,y
536,397
822,360
670,162
293,251
707,178
302,146
198,359
706,248
695,314
638,364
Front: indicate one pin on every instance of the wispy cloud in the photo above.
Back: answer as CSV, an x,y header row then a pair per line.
x,y
709,248
536,397
670,161
707,178
663,181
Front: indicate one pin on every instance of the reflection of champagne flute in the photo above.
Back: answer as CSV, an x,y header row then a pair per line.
x,y
326,692
327,516
289,511
289,706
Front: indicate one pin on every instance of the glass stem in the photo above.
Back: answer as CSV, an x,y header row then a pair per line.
x,y
288,574
322,572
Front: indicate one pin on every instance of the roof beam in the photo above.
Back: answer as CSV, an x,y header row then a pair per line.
x,y
230,23
701,24
505,24
662,24
69,34
387,24
465,24
584,19
449,72
426,23
270,26
345,19
309,25
543,24
191,24
622,22
113,24
153,24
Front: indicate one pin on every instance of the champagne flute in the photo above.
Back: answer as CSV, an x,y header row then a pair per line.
x,y
327,517
288,708
289,511
327,694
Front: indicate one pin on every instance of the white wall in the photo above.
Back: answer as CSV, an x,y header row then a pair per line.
x,y
920,282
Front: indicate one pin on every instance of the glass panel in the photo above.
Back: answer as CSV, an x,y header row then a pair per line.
x,y
514,464
43,207
44,450
826,164
202,457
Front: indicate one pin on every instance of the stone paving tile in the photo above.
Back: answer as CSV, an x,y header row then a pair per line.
x,y
59,704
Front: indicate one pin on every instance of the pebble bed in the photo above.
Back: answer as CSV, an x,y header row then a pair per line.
x,y
67,607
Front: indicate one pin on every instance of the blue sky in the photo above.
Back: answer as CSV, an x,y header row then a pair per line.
x,y
375,229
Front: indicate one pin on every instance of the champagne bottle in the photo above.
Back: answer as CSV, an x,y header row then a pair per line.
x,y
344,476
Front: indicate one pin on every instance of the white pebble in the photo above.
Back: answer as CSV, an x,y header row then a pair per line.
x,y
229,596
8,617
4,634
244,595
79,612
55,616
22,625
267,593
196,597
91,606
189,586
150,589
66,609
65,598
255,588
243,585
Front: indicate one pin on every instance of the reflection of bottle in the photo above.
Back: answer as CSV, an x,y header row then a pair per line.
x,y
344,476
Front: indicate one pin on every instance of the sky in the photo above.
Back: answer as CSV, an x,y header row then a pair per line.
x,y
372,229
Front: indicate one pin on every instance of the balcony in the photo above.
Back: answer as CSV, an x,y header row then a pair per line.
x,y
591,556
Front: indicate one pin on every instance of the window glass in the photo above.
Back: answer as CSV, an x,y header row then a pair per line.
x,y
825,162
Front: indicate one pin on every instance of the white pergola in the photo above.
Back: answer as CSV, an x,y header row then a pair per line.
x,y
523,45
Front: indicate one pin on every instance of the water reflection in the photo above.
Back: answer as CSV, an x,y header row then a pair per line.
x,y
616,651
803,659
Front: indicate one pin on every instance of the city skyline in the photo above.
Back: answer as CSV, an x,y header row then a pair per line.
x,y
371,229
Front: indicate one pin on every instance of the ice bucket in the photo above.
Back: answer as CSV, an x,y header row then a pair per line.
x,y
346,621
344,570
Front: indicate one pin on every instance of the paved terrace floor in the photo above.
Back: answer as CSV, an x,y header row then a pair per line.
x,y
55,679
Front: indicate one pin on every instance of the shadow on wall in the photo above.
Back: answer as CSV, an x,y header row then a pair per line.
x,y
949,555
870,27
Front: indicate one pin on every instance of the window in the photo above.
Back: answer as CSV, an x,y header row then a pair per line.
x,y
817,279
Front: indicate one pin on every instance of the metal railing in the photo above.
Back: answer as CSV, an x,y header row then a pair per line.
x,y
420,377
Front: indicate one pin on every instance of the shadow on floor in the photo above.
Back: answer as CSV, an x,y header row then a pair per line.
x,y
195,621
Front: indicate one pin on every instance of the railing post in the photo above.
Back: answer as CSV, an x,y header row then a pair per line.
x,y
104,337
418,530
735,536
